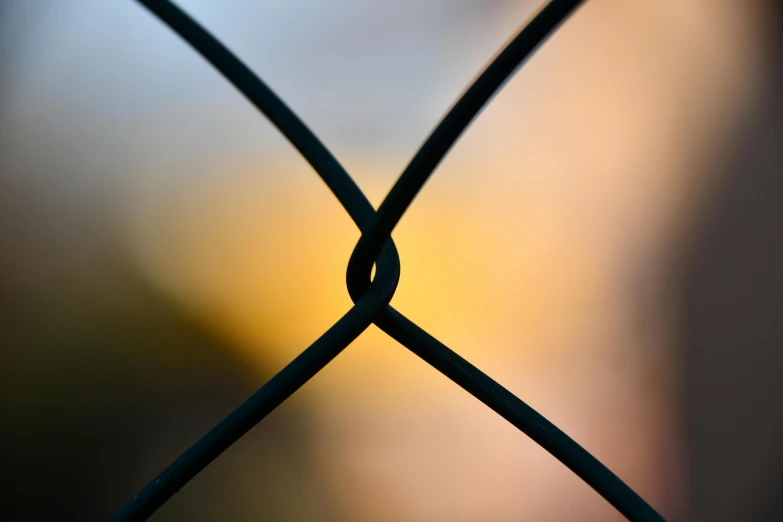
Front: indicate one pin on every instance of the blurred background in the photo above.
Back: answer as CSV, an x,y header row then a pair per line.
x,y
604,241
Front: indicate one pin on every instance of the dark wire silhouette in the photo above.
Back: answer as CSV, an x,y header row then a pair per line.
x,y
371,296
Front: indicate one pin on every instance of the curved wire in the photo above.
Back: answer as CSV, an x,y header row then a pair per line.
x,y
255,408
519,414
445,135
367,305
265,100
326,347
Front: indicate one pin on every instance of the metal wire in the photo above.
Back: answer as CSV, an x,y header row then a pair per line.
x,y
371,297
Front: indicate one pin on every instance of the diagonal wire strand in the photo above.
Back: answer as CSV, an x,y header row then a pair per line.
x,y
325,348
519,414
255,408
265,100
446,134
445,360
370,305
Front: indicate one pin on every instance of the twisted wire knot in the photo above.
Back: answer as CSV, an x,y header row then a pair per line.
x,y
371,296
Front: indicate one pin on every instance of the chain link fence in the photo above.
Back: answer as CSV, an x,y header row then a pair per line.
x,y
371,295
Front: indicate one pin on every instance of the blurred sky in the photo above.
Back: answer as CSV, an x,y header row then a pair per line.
x,y
541,249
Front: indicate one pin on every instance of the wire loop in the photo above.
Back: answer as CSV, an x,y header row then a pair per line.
x,y
371,297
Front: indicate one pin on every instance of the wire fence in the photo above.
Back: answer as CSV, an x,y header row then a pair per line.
x,y
371,296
